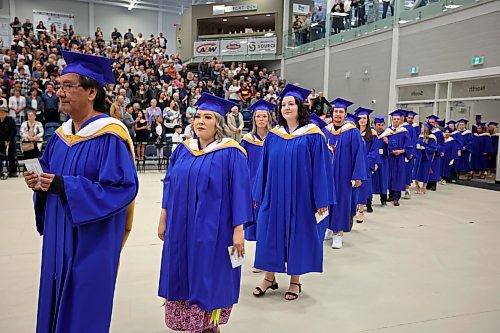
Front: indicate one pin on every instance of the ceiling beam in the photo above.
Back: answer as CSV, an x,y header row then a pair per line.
x,y
137,6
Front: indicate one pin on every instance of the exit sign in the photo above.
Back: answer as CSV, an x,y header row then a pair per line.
x,y
477,61
414,70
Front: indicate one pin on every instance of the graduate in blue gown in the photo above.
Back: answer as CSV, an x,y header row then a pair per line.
x,y
410,161
380,178
425,152
398,142
492,129
294,182
464,137
349,169
435,175
83,203
478,119
481,149
206,202
449,156
253,143
372,158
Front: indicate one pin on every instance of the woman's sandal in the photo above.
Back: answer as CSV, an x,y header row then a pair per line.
x,y
291,293
259,292
363,217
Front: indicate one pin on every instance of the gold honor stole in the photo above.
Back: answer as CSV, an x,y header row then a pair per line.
x,y
252,140
192,146
99,127
304,130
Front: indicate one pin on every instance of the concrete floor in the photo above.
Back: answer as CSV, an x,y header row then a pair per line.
x,y
422,267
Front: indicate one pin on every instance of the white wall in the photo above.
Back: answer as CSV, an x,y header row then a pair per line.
x,y
105,16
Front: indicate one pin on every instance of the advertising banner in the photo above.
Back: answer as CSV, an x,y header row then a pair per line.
x,y
264,45
206,48
233,47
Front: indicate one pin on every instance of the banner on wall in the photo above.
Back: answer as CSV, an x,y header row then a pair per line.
x,y
300,9
53,17
266,45
233,47
206,48
5,33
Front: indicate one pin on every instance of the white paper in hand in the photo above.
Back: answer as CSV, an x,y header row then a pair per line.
x,y
320,218
451,162
236,260
34,166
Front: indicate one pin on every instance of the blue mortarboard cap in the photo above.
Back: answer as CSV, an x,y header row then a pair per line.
x,y
295,91
398,113
492,123
262,105
362,112
94,67
433,117
441,123
352,118
411,113
479,116
213,103
317,120
429,126
341,103
451,122
481,124
379,120
465,121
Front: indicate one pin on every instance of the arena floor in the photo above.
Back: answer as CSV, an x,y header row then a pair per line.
x,y
430,265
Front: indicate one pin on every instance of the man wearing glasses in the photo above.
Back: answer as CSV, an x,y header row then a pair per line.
x,y
83,202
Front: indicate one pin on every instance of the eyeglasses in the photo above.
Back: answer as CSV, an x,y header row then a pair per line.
x,y
67,87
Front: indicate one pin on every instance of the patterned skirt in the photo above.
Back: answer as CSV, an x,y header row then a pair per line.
x,y
180,316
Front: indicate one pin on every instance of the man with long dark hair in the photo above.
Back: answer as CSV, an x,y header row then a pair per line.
x,y
83,203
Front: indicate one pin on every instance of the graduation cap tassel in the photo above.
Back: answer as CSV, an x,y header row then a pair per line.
x,y
214,320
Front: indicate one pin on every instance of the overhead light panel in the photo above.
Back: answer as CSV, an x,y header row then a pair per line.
x,y
132,4
452,6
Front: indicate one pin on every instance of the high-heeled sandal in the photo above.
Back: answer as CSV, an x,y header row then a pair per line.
x,y
362,214
291,293
260,292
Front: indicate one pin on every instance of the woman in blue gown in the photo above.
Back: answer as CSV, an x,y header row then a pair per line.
x,y
464,137
371,146
449,156
293,183
425,151
492,129
206,202
481,148
253,143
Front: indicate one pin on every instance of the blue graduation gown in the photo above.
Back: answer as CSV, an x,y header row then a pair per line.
x,y
398,139
450,153
492,164
464,138
410,154
349,163
206,194
83,232
481,148
254,145
372,159
436,162
380,179
424,157
294,180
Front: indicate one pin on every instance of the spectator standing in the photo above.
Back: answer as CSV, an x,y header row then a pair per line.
x,y
152,112
129,35
118,108
17,106
27,27
31,133
235,123
385,6
7,139
23,80
129,121
337,21
34,103
16,26
50,104
116,36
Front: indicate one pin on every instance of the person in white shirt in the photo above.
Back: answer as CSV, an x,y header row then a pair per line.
x,y
188,130
17,105
177,137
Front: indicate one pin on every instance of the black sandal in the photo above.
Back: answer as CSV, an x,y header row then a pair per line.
x,y
260,292
291,293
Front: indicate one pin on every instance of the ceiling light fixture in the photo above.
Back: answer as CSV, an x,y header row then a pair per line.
x,y
268,15
132,4
224,20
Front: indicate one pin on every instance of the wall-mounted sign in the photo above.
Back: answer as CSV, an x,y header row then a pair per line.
x,y
206,48
413,70
477,61
222,9
300,9
266,45
417,93
241,46
476,88
233,47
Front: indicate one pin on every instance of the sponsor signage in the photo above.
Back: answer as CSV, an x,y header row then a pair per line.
x,y
206,48
240,46
233,47
266,45
222,9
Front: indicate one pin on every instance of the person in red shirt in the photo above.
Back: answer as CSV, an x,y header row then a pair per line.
x,y
245,94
